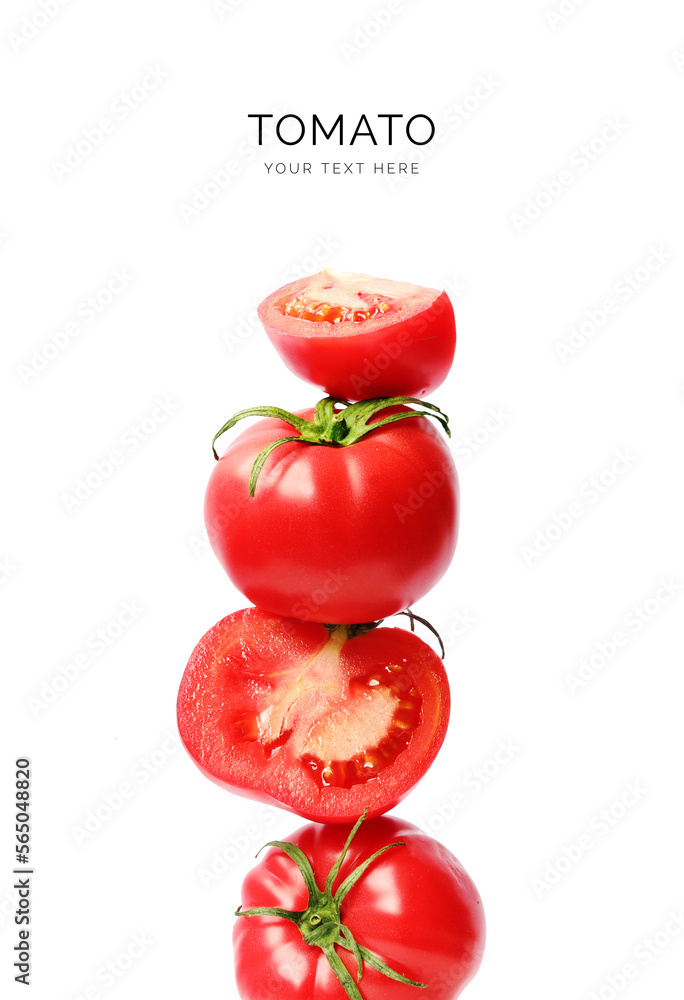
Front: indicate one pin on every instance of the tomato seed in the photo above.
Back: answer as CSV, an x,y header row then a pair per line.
x,y
318,312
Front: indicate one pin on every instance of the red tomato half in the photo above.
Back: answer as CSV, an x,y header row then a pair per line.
x,y
336,534
285,711
415,907
359,337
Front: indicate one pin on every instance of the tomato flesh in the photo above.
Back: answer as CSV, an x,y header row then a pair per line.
x,y
345,297
324,312
284,710
359,337
348,744
382,713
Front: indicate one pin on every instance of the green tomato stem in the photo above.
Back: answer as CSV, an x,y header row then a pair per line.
x,y
352,631
336,422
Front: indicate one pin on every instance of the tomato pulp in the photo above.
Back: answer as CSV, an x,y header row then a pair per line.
x,y
415,907
359,337
290,712
336,534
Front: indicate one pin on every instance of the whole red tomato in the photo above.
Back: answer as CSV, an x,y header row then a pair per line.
x,y
289,712
359,337
334,533
414,911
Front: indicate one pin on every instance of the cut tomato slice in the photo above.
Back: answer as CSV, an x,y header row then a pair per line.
x,y
359,337
324,725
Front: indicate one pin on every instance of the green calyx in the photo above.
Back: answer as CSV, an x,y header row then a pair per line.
x,y
336,422
320,924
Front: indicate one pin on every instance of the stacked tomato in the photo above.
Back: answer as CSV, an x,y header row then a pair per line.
x,y
330,520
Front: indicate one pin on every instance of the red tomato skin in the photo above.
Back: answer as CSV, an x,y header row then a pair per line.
x,y
336,534
382,357
261,639
415,907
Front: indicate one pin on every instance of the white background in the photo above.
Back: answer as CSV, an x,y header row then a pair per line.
x,y
183,330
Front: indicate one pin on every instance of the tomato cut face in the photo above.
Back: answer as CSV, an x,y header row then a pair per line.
x,y
343,297
288,711
359,337
368,306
